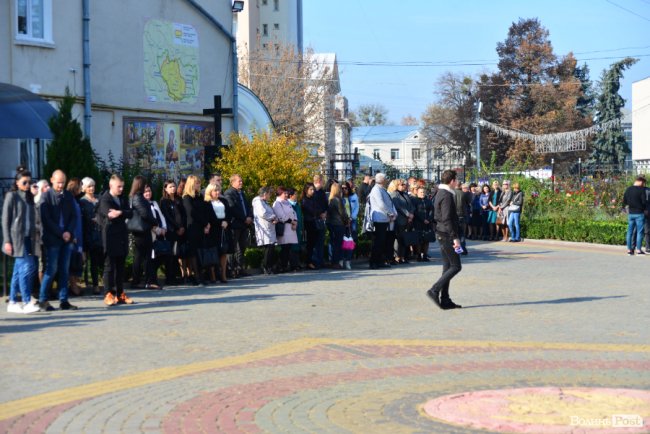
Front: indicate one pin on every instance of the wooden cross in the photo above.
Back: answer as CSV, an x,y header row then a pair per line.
x,y
211,152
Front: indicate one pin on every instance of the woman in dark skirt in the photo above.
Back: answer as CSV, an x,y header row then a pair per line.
x,y
197,224
142,241
219,218
174,212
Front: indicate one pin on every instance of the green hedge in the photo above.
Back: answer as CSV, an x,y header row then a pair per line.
x,y
599,232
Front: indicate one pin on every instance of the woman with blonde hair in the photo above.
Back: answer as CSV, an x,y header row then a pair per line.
x,y
92,233
337,221
219,219
197,224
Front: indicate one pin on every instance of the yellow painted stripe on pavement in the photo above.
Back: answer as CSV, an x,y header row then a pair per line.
x,y
26,405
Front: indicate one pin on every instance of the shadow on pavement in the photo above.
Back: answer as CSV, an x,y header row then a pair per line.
x,y
556,301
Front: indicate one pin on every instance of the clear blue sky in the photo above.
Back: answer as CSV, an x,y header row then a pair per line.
x,y
461,36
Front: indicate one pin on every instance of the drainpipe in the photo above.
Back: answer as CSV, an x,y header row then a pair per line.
x,y
233,42
86,62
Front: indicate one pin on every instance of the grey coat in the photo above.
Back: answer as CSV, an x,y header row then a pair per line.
x,y
14,216
403,206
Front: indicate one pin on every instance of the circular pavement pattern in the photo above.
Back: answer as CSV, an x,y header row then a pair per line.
x,y
330,385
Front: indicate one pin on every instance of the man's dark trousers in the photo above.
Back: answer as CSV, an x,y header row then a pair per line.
x,y
450,266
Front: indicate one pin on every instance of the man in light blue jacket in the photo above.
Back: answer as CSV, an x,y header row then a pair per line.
x,y
383,214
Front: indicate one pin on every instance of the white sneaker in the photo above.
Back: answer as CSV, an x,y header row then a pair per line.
x,y
14,307
31,307
348,266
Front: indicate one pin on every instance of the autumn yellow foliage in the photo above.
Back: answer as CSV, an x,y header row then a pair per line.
x,y
267,159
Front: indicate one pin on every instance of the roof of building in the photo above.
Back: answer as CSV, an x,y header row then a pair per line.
x,y
383,133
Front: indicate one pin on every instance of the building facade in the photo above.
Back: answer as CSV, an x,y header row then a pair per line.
x,y
269,22
403,150
142,73
641,125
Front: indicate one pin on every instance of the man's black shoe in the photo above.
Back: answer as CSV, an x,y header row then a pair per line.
x,y
64,305
46,306
448,304
435,297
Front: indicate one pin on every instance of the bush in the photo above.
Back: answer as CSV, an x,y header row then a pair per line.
x,y
600,232
253,257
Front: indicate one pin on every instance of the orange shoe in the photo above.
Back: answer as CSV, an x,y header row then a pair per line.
x,y
123,299
110,299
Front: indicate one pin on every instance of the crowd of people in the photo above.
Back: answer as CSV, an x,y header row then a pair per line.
x,y
62,230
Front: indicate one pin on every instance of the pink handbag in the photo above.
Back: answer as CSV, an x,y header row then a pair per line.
x,y
348,243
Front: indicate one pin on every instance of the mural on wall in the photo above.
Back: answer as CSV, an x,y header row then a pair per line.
x,y
164,147
171,62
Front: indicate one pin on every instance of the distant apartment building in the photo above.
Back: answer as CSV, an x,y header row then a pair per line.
x,y
269,22
641,125
142,81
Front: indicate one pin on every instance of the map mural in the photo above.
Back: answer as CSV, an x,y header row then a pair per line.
x,y
171,62
170,148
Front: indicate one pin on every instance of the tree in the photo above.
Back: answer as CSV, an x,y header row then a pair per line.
x,y
610,146
540,93
371,114
292,86
409,120
448,123
69,150
267,159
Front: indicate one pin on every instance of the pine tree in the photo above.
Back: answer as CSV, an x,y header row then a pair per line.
x,y
610,147
69,150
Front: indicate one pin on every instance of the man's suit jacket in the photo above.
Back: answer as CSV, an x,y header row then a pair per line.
x,y
57,216
444,210
236,211
114,232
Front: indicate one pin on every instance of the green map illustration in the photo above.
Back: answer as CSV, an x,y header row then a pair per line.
x,y
171,62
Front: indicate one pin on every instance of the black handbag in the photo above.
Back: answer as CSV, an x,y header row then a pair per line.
x,y
227,246
208,256
136,223
411,238
279,229
428,236
162,247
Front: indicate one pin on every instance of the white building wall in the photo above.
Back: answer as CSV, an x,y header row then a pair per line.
x,y
117,63
641,123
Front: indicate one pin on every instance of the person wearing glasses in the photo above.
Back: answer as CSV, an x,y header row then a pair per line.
x,y
19,235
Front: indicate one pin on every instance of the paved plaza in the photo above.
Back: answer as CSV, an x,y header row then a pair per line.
x,y
552,338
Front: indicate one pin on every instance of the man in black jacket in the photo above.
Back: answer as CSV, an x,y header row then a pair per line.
x,y
635,199
242,219
447,233
113,211
59,220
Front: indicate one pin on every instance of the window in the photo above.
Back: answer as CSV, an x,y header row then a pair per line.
x,y
265,30
375,154
415,153
265,2
276,26
394,154
32,154
276,5
34,20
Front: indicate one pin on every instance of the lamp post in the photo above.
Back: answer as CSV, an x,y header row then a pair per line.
x,y
553,174
479,106
579,169
438,170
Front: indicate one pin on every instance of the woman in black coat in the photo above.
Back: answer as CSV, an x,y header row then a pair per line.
x,y
219,218
174,213
142,241
422,221
197,224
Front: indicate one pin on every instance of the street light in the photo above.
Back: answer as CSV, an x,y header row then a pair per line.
x,y
237,6
479,106
579,168
553,174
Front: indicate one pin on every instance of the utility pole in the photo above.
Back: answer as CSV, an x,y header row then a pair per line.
x,y
479,106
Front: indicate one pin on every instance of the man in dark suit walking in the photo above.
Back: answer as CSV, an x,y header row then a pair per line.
x,y
447,233
59,220
242,219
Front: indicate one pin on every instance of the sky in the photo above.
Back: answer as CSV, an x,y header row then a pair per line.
x,y
377,42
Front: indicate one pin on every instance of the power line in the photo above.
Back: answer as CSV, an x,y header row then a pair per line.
x,y
627,10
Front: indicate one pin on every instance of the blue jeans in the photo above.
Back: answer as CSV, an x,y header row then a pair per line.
x,y
635,221
58,260
23,276
513,225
